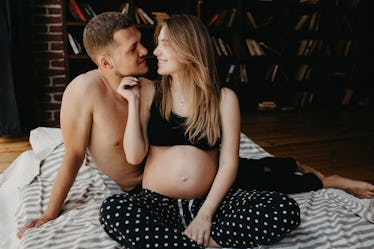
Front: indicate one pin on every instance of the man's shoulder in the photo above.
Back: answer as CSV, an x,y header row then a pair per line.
x,y
84,85
90,79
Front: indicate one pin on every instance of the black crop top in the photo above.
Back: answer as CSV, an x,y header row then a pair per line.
x,y
168,133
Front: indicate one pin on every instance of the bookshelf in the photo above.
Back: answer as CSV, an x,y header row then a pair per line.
x,y
276,54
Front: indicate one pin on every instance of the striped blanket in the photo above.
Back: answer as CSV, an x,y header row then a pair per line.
x,y
330,218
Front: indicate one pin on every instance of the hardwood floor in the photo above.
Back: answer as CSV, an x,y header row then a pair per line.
x,y
334,142
10,149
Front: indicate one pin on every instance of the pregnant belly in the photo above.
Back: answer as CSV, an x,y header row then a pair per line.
x,y
185,173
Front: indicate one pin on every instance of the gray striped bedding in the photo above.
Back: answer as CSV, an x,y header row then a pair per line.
x,y
330,218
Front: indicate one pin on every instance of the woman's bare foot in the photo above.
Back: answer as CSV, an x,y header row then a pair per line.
x,y
306,169
359,189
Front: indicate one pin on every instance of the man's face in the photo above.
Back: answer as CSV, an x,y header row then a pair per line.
x,y
128,55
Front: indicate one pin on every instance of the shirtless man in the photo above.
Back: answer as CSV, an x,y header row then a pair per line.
x,y
93,114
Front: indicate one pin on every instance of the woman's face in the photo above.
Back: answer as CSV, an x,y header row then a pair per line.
x,y
166,61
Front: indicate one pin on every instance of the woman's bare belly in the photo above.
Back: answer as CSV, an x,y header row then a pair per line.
x,y
180,171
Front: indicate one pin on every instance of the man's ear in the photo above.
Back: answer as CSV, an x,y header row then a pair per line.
x,y
105,62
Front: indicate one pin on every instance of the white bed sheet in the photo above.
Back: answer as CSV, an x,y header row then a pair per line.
x,y
330,218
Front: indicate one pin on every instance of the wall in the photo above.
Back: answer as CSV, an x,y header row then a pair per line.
x,y
49,71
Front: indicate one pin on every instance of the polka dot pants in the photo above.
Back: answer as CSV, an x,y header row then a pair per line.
x,y
244,219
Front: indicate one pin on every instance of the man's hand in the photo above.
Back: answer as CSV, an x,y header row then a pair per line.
x,y
33,223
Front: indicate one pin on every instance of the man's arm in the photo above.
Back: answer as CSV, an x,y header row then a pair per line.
x,y
76,120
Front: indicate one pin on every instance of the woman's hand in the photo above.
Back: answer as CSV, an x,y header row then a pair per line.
x,y
129,88
199,230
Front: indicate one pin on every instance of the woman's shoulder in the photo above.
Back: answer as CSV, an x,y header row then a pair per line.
x,y
227,93
147,89
147,84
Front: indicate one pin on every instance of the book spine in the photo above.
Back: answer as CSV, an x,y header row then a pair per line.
x,y
90,10
230,73
78,10
232,18
146,16
73,44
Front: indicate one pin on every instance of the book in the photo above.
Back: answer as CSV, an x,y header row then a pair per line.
x,y
160,16
229,50
76,11
304,98
232,18
251,47
87,9
230,73
243,73
146,16
272,72
221,18
268,48
140,18
254,48
213,19
302,47
300,74
73,44
266,106
313,22
347,47
216,46
124,9
222,46
301,22
251,20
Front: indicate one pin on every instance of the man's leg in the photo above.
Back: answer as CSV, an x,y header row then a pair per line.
x,y
274,174
359,189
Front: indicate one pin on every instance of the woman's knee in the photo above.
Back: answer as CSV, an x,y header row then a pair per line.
x,y
287,209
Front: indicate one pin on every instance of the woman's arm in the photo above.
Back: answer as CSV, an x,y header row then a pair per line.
x,y
139,94
199,229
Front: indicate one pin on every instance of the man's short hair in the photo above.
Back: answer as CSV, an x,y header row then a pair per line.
x,y
98,32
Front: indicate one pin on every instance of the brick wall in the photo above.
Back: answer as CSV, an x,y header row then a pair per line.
x,y
48,59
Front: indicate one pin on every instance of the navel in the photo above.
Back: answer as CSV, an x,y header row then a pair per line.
x,y
184,178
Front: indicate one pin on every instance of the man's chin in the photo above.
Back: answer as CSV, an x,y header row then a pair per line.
x,y
143,70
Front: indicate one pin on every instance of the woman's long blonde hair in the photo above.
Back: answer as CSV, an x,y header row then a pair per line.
x,y
190,40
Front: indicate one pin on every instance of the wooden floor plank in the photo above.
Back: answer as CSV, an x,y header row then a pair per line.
x,y
11,148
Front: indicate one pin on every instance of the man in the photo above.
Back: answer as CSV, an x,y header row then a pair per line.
x,y
93,114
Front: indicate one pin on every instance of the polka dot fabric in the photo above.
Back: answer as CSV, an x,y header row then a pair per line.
x,y
244,219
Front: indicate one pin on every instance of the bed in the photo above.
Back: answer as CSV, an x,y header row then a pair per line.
x,y
330,218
